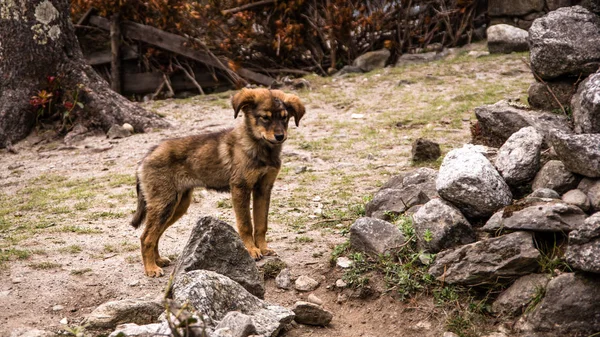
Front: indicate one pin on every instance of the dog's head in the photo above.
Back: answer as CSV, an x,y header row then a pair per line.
x,y
268,112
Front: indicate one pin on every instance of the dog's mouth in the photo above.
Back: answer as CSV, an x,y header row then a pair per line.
x,y
274,141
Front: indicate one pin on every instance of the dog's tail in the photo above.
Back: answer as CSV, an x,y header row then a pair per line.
x,y
140,213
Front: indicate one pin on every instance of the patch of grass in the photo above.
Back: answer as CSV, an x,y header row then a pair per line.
x,y
132,259
338,251
356,276
404,274
13,253
61,210
224,203
552,247
461,324
272,268
127,246
80,271
110,248
116,180
79,230
72,249
538,296
45,265
106,215
303,239
82,206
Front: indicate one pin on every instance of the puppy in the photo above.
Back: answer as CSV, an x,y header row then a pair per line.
x,y
244,160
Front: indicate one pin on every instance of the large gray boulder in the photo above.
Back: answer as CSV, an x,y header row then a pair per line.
x,y
579,153
539,97
555,176
111,314
583,251
499,121
591,187
505,39
565,42
550,216
374,236
372,60
470,182
586,105
215,295
214,245
518,159
507,256
571,307
444,223
402,192
514,300
514,7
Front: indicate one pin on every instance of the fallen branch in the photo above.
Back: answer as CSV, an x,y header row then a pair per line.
x,y
158,90
246,7
190,76
177,44
547,87
168,83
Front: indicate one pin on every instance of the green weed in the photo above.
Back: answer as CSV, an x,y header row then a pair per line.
x,y
303,239
45,265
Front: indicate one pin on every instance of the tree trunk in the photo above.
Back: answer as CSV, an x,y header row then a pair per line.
x,y
37,40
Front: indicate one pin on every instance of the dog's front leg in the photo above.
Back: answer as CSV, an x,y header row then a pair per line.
x,y
240,196
261,198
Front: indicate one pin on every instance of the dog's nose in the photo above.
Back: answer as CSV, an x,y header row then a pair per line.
x,y
279,137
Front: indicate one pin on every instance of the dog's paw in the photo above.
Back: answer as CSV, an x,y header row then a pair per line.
x,y
268,252
162,262
255,253
154,272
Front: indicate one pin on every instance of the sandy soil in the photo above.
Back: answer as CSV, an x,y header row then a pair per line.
x,y
64,209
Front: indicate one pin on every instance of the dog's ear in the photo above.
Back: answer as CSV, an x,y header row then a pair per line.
x,y
242,100
294,107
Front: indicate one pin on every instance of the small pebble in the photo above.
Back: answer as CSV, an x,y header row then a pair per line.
x,y
64,321
340,283
300,169
312,298
57,308
128,127
344,262
305,283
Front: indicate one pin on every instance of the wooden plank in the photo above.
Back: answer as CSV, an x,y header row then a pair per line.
x,y
103,57
247,6
84,19
115,48
177,44
144,83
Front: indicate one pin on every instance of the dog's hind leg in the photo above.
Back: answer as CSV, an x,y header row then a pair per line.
x,y
182,206
159,213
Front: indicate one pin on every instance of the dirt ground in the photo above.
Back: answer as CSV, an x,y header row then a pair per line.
x,y
65,241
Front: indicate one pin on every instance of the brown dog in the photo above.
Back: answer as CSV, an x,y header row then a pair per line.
x,y
244,160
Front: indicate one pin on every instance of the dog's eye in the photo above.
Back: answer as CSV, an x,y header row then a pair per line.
x,y
264,118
